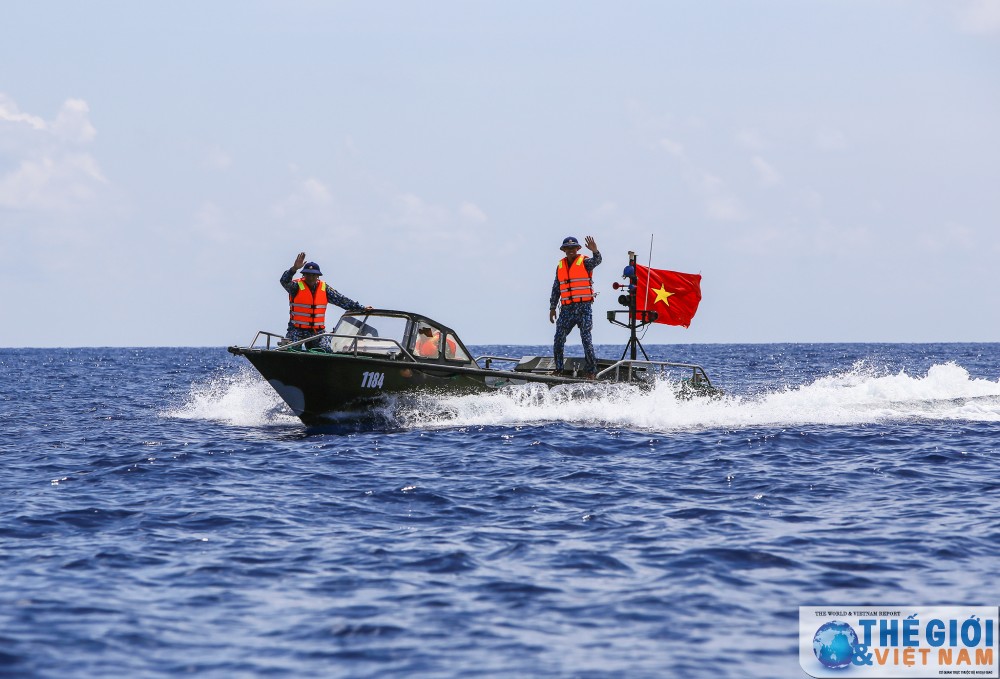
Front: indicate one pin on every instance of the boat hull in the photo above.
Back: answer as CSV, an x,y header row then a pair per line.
x,y
321,387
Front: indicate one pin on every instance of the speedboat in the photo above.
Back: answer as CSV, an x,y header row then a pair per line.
x,y
377,354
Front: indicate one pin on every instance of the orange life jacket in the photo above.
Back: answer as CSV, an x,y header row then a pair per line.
x,y
575,284
429,347
308,311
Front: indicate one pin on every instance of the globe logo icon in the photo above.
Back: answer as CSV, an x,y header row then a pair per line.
x,y
834,644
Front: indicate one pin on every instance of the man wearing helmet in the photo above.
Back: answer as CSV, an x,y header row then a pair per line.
x,y
308,297
573,293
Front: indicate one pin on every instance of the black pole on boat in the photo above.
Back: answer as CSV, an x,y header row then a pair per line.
x,y
633,339
636,319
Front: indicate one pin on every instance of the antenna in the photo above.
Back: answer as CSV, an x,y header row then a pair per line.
x,y
649,264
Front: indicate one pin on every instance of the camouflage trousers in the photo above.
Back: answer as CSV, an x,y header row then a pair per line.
x,y
581,315
294,334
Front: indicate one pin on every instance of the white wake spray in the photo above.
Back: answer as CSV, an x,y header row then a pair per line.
x,y
243,399
856,396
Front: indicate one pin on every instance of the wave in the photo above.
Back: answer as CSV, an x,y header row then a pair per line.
x,y
856,396
242,399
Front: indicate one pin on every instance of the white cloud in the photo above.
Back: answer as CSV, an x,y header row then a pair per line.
x,y
316,192
46,183
10,113
710,183
766,173
472,213
720,204
980,17
51,173
414,211
402,221
949,237
311,207
72,124
419,224
310,198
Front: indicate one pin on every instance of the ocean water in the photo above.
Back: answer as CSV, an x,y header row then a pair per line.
x,y
162,514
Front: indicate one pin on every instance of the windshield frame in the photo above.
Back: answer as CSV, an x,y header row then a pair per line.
x,y
368,318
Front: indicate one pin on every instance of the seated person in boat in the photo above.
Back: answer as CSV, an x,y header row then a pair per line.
x,y
428,344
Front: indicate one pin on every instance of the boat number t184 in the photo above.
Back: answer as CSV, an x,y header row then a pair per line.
x,y
372,380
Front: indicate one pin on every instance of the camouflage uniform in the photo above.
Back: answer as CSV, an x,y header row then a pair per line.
x,y
332,297
580,314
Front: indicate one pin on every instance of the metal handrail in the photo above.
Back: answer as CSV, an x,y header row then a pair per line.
x,y
490,358
352,349
698,375
269,335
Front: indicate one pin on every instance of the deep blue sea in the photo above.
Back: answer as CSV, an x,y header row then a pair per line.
x,y
163,514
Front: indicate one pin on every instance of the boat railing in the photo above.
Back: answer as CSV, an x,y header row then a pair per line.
x,y
382,346
490,358
698,376
279,340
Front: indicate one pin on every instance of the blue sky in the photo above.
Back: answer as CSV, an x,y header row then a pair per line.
x,y
830,168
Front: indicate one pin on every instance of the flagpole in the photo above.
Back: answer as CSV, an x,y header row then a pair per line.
x,y
649,272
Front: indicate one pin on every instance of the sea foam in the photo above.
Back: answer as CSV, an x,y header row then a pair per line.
x,y
855,396
242,398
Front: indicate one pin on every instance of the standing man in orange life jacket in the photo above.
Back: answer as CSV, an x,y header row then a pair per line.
x,y
573,293
308,297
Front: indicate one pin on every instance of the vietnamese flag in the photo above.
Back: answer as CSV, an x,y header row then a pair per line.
x,y
672,295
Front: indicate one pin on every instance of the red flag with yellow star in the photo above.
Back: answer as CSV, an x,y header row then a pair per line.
x,y
672,295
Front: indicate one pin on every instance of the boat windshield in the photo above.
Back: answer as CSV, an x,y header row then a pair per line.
x,y
382,335
429,340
